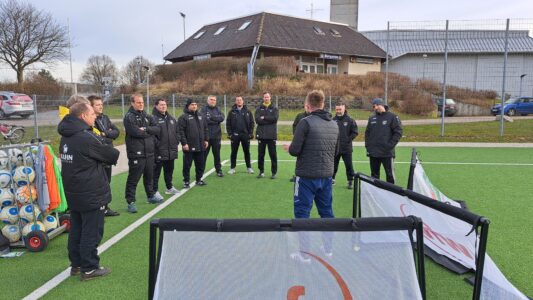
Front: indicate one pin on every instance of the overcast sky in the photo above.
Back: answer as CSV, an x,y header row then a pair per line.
x,y
125,29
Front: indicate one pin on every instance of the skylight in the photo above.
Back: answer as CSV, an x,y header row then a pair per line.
x,y
318,30
245,25
199,35
335,33
219,30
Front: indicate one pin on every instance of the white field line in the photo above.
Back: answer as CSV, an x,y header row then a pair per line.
x,y
435,163
52,283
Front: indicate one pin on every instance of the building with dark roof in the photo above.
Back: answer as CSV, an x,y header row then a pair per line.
x,y
475,57
317,46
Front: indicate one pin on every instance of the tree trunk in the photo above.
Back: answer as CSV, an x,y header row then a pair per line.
x,y
20,76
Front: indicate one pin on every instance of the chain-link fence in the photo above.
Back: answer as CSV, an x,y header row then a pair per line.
x,y
473,63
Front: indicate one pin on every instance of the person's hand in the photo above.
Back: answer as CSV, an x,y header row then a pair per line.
x,y
206,143
185,147
103,133
262,117
286,147
142,129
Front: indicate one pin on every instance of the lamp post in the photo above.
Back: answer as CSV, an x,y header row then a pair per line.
x,y
521,78
424,57
147,70
183,16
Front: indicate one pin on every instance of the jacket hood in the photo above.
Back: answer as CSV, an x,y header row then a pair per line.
x,y
71,125
322,114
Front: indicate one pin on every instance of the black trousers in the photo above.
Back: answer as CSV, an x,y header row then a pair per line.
x,y
235,141
107,170
199,164
388,165
86,231
347,159
215,145
168,169
140,167
262,144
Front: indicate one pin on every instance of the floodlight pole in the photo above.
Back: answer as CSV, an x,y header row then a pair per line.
x,y
183,17
387,66
502,107
443,113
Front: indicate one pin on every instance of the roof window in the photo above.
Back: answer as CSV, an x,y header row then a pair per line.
x,y
318,30
219,30
335,33
245,25
199,35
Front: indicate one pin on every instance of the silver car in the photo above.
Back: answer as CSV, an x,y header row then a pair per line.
x,y
14,104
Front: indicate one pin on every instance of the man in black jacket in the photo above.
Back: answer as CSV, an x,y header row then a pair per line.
x,y
298,118
383,132
194,137
109,132
140,146
266,117
315,144
83,156
347,132
167,142
240,128
214,117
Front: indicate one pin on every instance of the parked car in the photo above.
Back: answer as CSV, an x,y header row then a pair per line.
x,y
449,107
515,106
14,104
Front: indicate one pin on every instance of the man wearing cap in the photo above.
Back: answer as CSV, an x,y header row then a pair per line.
x,y
194,137
382,134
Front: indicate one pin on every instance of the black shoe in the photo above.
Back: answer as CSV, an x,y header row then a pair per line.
x,y
350,184
273,176
220,174
74,271
186,185
200,183
293,179
111,213
94,273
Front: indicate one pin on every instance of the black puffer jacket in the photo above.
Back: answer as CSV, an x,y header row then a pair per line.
x,y
139,143
382,133
167,140
214,117
83,156
298,118
315,144
193,130
108,130
347,132
240,122
266,119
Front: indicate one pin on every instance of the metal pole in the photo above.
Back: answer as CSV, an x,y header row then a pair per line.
x,y
174,105
521,79
329,102
443,113
504,75
122,100
148,88
277,105
36,128
387,65
225,112
70,57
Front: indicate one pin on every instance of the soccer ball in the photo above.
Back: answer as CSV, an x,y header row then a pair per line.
x,y
22,175
9,215
11,232
29,158
31,227
4,160
27,211
5,178
50,223
15,156
23,194
6,197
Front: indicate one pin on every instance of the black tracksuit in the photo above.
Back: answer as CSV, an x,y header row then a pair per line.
x,y
83,156
297,120
240,128
214,117
382,133
194,133
347,132
109,132
166,150
140,147
266,133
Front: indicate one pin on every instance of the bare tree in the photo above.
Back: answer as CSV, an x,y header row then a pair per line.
x,y
134,73
98,67
28,36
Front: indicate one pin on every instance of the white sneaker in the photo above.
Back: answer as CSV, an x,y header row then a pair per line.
x,y
300,257
172,191
158,196
231,171
250,171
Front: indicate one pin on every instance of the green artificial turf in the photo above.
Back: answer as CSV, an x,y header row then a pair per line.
x,y
501,193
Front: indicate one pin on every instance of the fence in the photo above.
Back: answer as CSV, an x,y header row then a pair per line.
x,y
473,62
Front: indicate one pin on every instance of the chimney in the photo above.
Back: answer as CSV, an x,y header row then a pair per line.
x,y
344,11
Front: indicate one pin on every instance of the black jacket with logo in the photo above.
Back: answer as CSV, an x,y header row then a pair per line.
x,y
167,140
109,131
83,158
193,130
214,117
240,122
266,119
347,132
382,133
139,143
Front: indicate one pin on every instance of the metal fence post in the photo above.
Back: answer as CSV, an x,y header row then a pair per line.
x,y
225,111
387,66
443,113
504,74
329,102
122,104
174,105
35,127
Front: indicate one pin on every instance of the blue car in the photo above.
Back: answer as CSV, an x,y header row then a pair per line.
x,y
515,106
